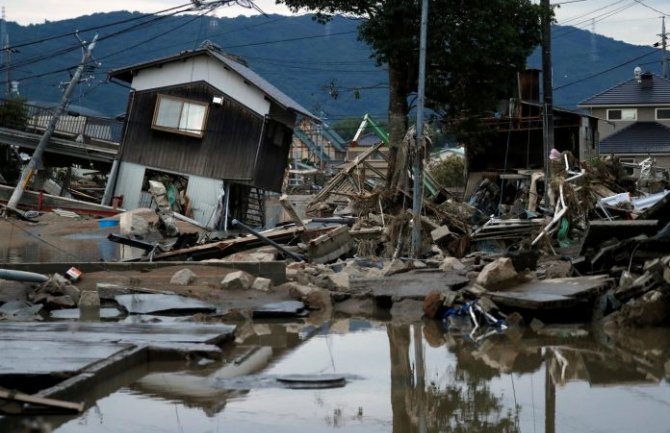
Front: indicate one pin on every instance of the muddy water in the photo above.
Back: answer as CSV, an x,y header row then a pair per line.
x,y
406,378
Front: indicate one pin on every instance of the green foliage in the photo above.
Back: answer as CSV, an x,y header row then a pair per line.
x,y
13,113
449,171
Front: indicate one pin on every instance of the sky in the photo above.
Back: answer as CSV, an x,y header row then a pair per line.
x,y
634,21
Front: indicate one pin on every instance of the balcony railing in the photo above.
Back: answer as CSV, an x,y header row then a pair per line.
x,y
71,125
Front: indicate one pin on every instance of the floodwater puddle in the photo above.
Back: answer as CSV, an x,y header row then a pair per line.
x,y
403,378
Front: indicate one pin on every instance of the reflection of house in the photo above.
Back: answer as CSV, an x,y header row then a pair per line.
x,y
204,117
635,118
317,143
514,140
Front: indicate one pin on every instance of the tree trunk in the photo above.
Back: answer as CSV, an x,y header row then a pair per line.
x,y
398,108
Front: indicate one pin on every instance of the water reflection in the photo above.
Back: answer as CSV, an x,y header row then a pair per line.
x,y
407,378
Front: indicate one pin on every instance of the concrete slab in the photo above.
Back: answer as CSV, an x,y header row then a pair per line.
x,y
410,285
145,303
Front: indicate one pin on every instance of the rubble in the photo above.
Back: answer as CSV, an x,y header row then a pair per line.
x,y
183,277
237,280
497,273
262,284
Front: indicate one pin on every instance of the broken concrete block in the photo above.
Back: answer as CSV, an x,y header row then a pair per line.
x,y
89,299
339,281
262,284
497,272
393,267
237,280
56,302
451,264
314,298
653,308
440,234
183,277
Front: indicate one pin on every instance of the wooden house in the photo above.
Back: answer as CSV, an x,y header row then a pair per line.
x,y
212,129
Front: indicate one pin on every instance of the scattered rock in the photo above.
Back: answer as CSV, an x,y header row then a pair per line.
x,y
451,264
262,284
237,280
339,281
393,267
536,325
497,272
89,299
183,277
652,308
56,302
515,320
314,298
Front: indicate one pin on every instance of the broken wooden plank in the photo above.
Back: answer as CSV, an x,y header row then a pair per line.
x,y
329,246
40,404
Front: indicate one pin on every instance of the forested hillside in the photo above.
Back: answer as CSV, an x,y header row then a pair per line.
x,y
323,67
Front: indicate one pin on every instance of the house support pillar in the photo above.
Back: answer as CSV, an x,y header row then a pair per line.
x,y
111,184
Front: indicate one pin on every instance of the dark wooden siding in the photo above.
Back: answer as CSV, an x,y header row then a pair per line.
x,y
273,156
226,151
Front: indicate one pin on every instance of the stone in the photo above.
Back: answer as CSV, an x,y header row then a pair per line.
x,y
237,280
514,320
56,302
497,272
254,256
536,325
339,281
314,298
652,308
183,277
262,284
440,235
89,299
393,267
451,264
418,264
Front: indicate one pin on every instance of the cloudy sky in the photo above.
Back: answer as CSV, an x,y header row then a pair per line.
x,y
633,21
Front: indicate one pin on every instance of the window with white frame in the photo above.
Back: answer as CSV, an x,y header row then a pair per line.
x,y
179,115
623,114
663,114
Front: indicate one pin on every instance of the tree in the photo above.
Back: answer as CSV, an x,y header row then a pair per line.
x,y
475,47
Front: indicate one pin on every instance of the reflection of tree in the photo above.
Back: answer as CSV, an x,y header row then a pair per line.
x,y
467,404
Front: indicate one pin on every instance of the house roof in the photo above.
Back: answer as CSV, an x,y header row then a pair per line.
x,y
631,92
277,96
639,137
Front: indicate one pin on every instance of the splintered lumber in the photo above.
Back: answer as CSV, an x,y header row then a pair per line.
x,y
40,404
329,246
288,207
226,247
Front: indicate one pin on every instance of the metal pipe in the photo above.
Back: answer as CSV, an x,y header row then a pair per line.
x,y
29,277
294,256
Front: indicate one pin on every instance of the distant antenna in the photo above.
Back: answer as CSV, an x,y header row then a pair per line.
x,y
594,41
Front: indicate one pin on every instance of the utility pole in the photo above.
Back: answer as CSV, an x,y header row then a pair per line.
x,y
36,159
664,45
417,198
548,118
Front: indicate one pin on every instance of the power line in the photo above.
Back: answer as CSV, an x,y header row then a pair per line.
x,y
62,35
650,7
597,74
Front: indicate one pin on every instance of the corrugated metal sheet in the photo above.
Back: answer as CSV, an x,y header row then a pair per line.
x,y
129,184
204,194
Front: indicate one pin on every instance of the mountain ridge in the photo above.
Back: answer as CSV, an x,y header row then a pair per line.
x,y
323,67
